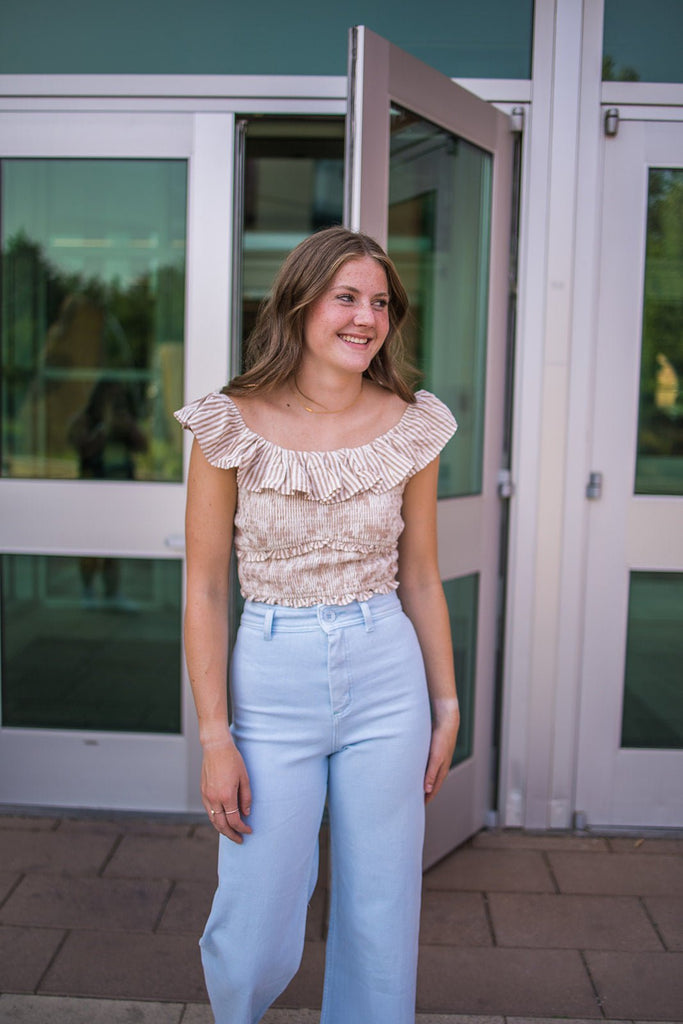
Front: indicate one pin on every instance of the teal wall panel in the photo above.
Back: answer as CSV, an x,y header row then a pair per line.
x,y
465,38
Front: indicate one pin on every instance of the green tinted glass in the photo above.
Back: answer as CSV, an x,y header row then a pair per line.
x,y
659,464
642,41
653,695
439,232
91,643
462,596
93,295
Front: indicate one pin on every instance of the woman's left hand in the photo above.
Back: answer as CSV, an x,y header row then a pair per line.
x,y
444,735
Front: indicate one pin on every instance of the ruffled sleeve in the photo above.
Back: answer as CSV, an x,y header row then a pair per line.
x,y
426,427
384,463
220,431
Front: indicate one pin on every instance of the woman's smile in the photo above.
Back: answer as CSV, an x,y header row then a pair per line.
x,y
354,340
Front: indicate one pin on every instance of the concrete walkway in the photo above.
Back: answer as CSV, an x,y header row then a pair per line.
x,y
99,922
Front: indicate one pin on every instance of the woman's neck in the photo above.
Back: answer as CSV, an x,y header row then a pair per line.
x,y
326,392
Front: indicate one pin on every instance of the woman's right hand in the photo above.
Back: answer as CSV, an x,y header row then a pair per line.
x,y
226,793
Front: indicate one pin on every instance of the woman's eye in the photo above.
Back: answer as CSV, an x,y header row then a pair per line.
x,y
381,303
345,298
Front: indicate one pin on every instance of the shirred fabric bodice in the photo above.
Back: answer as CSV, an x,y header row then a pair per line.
x,y
318,527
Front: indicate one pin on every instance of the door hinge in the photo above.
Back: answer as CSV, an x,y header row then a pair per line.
x,y
505,486
517,119
594,486
612,121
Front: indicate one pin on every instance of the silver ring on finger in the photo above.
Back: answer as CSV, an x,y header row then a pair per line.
x,y
214,813
234,811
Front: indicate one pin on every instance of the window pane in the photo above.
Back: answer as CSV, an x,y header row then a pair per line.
x,y
439,230
653,696
93,293
659,465
462,597
642,41
91,643
294,185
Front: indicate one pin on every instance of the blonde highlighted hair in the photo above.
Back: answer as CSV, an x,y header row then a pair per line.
x,y
274,348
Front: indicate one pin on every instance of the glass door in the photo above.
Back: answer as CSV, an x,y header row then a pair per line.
x,y
429,174
99,318
631,734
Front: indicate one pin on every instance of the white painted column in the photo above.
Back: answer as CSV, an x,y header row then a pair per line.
x,y
580,410
543,622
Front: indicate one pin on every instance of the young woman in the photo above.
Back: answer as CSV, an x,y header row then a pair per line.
x,y
319,465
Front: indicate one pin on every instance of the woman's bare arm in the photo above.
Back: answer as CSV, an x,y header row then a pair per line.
x,y
211,503
424,603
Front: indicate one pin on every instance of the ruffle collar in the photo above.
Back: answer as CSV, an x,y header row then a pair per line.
x,y
377,466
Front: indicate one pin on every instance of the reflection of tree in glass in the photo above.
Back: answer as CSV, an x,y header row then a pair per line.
x,y
612,73
661,422
51,337
666,386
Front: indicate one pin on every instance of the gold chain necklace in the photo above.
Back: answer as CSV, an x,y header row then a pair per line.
x,y
323,412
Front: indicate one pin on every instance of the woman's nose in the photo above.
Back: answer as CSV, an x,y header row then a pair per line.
x,y
364,313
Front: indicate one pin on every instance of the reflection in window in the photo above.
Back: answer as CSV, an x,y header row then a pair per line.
x,y
641,41
462,596
93,286
653,697
91,643
439,234
659,466
294,185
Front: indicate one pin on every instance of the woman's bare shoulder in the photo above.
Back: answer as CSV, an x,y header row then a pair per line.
x,y
266,413
389,399
386,407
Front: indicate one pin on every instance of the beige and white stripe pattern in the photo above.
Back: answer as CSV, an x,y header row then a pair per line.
x,y
318,527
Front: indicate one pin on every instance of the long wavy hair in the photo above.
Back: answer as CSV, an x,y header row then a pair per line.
x,y
275,346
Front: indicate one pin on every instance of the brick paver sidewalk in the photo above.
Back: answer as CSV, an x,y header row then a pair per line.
x,y
516,926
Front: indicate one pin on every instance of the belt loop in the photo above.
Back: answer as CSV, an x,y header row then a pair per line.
x,y
367,616
268,624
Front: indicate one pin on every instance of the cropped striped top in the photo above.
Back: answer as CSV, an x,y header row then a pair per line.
x,y
318,527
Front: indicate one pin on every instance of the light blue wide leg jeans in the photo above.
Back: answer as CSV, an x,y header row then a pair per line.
x,y
328,702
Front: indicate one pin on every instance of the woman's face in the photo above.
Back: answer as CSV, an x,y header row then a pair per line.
x,y
347,325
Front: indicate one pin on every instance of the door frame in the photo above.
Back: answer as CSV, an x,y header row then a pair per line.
x,y
620,787
380,73
87,767
153,117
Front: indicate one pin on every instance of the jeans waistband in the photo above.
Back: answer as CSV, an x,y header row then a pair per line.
x,y
270,618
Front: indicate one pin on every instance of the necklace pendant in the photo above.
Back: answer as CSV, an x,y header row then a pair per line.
x,y
322,412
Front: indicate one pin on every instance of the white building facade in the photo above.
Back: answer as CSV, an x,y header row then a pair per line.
x,y
536,220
